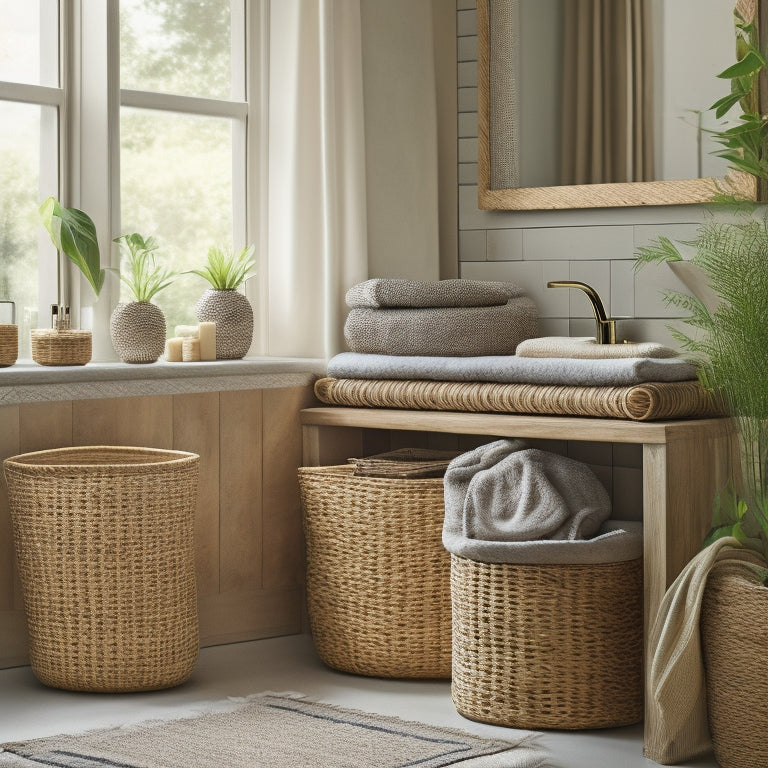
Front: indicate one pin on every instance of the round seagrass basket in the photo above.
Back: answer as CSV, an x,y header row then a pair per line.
x,y
734,633
9,344
378,578
52,347
548,646
104,542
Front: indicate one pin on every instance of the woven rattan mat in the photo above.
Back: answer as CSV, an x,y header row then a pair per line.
x,y
639,402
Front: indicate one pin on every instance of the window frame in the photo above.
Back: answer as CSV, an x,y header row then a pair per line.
x,y
89,100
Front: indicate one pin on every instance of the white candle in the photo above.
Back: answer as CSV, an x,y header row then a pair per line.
x,y
207,333
186,331
173,351
190,350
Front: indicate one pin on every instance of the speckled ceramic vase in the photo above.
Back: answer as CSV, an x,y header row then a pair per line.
x,y
137,330
233,315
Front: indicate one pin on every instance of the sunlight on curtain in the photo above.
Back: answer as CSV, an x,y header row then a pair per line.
x,y
317,202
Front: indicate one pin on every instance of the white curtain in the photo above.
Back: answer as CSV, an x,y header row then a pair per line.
x,y
316,189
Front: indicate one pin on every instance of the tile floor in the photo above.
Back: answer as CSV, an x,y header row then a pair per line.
x,y
28,709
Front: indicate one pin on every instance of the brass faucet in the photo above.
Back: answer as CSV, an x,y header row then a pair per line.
x,y
606,326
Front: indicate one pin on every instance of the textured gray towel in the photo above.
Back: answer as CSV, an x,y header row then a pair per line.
x,y
453,331
379,293
505,503
511,369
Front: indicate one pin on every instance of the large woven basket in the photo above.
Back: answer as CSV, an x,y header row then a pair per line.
x,y
378,578
9,344
548,646
104,542
51,347
734,632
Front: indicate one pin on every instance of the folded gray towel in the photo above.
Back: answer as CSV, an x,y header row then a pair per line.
x,y
511,369
453,331
415,294
505,503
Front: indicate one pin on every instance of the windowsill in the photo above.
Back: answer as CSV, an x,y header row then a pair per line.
x,y
27,382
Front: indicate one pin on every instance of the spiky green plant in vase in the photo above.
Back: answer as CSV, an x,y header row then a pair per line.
x,y
223,304
138,328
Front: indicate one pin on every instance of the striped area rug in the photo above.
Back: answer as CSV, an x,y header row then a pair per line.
x,y
274,731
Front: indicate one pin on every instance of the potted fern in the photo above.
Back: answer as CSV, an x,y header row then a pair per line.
x,y
223,304
74,234
728,340
137,328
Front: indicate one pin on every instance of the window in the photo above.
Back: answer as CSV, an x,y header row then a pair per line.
x,y
152,136
30,101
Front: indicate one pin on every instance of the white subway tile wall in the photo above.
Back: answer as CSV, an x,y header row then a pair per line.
x,y
596,246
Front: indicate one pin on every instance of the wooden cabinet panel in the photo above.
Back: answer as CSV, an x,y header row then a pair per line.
x,y
45,425
196,429
283,549
9,446
140,421
240,490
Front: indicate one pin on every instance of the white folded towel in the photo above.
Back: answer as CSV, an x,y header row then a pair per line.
x,y
587,348
511,369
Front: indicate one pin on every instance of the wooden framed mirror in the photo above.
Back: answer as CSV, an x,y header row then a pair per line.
x,y
504,183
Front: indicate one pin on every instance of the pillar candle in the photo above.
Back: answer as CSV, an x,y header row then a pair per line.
x,y
186,331
207,334
173,351
190,350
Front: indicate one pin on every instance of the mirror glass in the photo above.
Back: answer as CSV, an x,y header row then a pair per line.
x,y
613,95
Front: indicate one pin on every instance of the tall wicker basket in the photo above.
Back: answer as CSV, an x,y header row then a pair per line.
x,y
548,646
378,578
104,541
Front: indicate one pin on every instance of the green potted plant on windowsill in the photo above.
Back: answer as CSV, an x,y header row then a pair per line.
x,y
137,328
728,341
223,304
74,234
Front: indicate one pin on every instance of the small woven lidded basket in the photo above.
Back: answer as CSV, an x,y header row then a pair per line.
x,y
548,646
66,347
9,344
104,542
378,578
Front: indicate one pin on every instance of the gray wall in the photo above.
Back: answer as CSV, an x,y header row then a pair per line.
x,y
532,247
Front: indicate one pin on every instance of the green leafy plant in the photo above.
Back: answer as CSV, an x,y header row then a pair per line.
x,y
227,270
746,143
145,278
729,345
74,233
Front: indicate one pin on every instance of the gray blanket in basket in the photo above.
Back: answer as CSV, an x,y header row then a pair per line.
x,y
506,503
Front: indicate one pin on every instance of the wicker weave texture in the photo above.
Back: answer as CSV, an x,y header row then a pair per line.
x,y
9,345
640,402
61,347
378,578
734,631
548,646
104,542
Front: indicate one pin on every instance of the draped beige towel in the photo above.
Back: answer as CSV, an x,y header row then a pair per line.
x,y
677,710
607,126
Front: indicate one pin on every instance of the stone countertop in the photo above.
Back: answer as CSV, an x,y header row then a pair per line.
x,y
27,382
